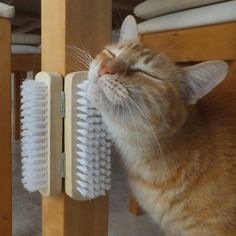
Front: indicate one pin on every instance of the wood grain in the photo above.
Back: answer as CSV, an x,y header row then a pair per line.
x,y
195,44
19,77
81,23
5,130
54,84
26,62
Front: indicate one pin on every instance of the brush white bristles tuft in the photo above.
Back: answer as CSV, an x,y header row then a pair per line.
x,y
87,143
34,135
41,134
93,148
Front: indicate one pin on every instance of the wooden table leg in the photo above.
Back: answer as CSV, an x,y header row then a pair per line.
x,y
86,24
5,130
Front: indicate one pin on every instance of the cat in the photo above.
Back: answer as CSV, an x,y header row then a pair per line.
x,y
181,163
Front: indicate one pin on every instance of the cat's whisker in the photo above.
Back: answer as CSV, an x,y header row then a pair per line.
x,y
76,67
156,104
134,85
117,110
76,49
85,53
79,60
154,134
112,104
82,53
171,46
123,109
81,57
135,125
88,54
137,91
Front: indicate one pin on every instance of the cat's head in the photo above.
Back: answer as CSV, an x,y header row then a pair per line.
x,y
134,85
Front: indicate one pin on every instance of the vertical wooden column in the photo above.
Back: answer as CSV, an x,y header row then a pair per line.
x,y
85,24
5,129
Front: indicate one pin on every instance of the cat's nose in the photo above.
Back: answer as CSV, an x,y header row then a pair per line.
x,y
105,69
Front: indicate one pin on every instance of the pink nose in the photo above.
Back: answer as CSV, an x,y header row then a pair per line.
x,y
104,69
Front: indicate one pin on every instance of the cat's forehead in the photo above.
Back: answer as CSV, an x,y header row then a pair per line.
x,y
123,48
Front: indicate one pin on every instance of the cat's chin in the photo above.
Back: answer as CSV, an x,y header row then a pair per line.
x,y
96,96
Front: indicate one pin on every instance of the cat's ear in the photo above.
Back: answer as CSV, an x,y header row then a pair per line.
x,y
200,79
129,30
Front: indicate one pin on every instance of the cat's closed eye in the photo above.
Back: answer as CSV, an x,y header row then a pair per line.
x,y
132,71
109,52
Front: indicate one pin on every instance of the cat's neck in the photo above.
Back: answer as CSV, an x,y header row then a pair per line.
x,y
154,157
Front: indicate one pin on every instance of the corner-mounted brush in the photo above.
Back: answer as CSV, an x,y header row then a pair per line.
x,y
87,143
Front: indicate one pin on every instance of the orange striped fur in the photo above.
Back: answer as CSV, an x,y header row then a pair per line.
x,y
180,159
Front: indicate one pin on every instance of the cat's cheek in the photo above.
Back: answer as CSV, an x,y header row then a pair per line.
x,y
92,93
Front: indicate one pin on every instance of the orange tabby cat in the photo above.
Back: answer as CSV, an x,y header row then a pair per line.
x,y
180,160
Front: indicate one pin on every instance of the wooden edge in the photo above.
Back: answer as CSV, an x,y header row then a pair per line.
x,y
212,42
71,80
134,207
5,130
54,85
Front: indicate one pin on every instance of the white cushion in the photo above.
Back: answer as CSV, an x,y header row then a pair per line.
x,y
31,39
213,14
25,49
6,11
153,8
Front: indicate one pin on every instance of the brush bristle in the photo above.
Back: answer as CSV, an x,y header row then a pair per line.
x,y
93,148
34,135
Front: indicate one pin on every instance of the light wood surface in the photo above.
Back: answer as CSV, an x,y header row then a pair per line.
x,y
5,130
53,81
82,23
198,44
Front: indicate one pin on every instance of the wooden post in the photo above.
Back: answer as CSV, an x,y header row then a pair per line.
x,y
5,129
85,24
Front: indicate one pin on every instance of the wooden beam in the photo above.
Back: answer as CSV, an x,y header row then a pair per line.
x,y
86,24
5,130
210,43
25,62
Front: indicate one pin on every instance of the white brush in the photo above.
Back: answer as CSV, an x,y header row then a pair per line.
x,y
88,146
41,134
